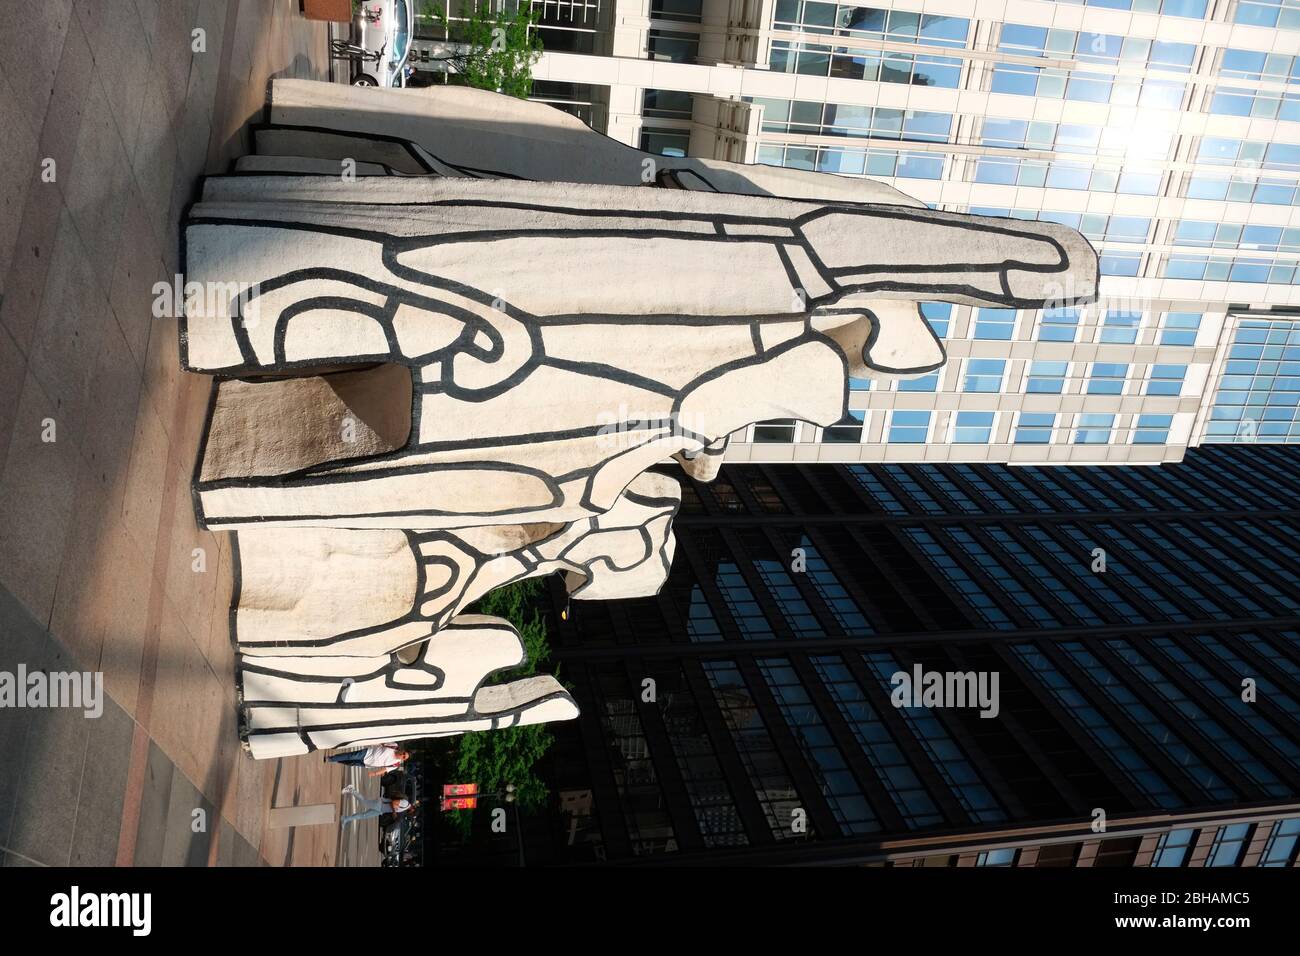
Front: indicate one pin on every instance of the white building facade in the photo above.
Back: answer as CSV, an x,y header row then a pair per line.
x,y
1168,131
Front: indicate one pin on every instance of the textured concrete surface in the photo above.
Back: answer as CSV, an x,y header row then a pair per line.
x,y
110,116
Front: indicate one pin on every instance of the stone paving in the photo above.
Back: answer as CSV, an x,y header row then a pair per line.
x,y
111,110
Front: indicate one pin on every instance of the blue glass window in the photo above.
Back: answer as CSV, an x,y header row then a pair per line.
x,y
1035,428
1179,328
995,324
1120,326
984,375
1058,325
1107,378
1047,378
1229,842
973,428
1152,429
1094,429
1259,396
1280,848
847,430
1166,379
1119,263
938,315
1172,847
924,383
909,427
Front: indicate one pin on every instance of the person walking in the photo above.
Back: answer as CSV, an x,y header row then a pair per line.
x,y
380,757
374,808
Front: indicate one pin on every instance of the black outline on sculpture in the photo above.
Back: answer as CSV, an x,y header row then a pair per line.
x,y
494,332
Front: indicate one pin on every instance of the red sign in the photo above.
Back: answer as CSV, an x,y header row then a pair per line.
x,y
459,803
459,789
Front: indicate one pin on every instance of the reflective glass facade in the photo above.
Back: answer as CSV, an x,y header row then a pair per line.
x,y
748,712
1167,131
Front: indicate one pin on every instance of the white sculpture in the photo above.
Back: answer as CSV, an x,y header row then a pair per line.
x,y
434,382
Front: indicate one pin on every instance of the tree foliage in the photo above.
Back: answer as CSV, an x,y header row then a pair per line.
x,y
518,604
495,758
501,48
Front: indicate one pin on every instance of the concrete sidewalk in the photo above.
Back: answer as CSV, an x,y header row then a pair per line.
x,y
111,111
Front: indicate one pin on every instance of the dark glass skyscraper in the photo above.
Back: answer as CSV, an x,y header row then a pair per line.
x,y
1138,630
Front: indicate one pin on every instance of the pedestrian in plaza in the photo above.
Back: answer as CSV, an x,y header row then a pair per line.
x,y
374,808
380,757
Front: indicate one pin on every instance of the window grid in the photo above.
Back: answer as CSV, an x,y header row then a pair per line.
x,y
1276,695
1100,730
1143,719
745,610
957,772
916,490
1259,394
953,572
1197,718
1280,848
1025,559
985,488
838,786
1003,577
877,489
649,827
1225,560
1172,847
1221,586
1144,560
833,594
1229,843
896,775
767,773
1079,565
782,589
702,775
1216,689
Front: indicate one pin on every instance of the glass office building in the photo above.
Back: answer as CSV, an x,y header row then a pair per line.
x,y
1142,626
1167,131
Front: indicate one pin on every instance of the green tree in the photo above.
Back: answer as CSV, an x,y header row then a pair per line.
x,y
518,604
501,47
495,758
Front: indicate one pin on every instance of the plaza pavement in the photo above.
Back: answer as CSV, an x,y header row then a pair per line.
x,y
97,536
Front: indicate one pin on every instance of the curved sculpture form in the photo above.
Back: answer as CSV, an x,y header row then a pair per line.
x,y
433,381
772,306
299,588
458,131
292,704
